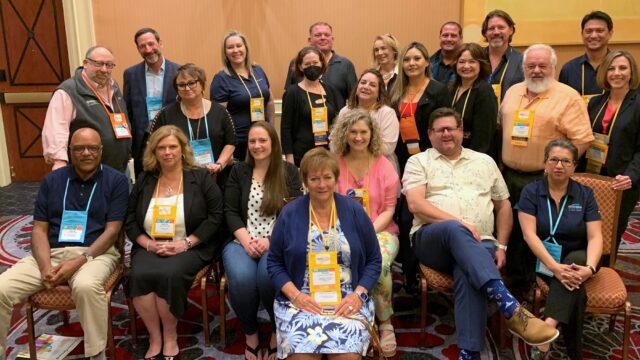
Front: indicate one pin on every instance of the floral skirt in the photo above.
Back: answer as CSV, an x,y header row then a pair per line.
x,y
301,332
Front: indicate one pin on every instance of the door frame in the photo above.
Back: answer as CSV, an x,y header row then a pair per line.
x,y
80,34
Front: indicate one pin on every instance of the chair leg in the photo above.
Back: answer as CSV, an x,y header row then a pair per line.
x,y
65,317
626,331
537,299
423,311
612,322
31,330
223,313
132,322
110,340
205,311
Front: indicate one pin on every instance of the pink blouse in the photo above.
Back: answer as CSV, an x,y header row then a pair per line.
x,y
382,181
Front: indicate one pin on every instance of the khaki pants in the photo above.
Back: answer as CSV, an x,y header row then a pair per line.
x,y
24,279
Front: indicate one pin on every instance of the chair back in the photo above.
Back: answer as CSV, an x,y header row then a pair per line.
x,y
608,201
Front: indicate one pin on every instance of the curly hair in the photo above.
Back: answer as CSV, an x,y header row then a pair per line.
x,y
341,128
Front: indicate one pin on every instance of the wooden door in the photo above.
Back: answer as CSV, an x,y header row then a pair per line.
x,y
33,59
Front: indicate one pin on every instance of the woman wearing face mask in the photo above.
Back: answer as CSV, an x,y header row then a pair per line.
x,y
308,108
473,98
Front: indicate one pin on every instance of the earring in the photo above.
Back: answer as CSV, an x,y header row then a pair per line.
x,y
184,157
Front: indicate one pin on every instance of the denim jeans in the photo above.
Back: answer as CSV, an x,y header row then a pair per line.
x,y
249,284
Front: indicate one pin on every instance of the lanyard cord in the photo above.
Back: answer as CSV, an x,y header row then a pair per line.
x,y
311,105
464,107
553,227
155,196
613,122
206,123
245,85
64,200
332,224
409,105
86,80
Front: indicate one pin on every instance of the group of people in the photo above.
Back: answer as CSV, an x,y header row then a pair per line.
x,y
461,161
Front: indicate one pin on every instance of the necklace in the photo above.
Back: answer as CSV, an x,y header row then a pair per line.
x,y
387,76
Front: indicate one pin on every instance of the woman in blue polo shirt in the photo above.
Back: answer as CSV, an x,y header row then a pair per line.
x,y
561,224
243,88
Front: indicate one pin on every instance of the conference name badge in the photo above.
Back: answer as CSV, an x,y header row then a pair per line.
x,y
555,250
360,195
119,125
163,222
324,280
522,126
73,226
256,106
202,151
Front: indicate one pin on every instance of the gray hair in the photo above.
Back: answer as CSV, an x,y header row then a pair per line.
x,y
553,58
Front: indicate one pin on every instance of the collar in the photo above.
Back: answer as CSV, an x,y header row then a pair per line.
x,y
147,69
505,56
464,154
335,58
73,175
573,189
437,56
544,95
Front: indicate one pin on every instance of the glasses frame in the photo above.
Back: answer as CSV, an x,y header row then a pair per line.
x,y
79,149
185,86
100,64
554,162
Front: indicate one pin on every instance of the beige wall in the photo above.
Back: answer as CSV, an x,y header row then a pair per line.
x,y
192,31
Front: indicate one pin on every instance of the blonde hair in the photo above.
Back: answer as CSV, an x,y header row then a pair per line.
x,y
149,159
341,129
601,76
390,41
226,64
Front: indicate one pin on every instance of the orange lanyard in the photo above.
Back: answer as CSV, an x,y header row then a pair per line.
x,y
84,77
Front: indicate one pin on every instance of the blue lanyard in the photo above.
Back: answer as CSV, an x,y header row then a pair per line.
x,y
64,200
553,227
206,123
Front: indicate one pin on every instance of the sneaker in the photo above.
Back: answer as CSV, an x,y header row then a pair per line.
x,y
531,329
536,354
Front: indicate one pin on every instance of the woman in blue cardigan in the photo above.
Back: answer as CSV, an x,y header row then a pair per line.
x,y
330,237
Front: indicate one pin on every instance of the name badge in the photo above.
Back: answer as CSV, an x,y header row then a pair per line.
x,y
324,280
497,90
597,153
163,222
555,250
320,125
586,99
256,106
120,126
522,126
409,134
202,151
154,104
73,226
361,196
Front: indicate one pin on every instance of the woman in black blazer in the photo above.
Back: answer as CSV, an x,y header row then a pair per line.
x,y
255,192
615,118
174,211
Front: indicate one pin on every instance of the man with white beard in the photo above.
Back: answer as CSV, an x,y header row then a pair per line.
x,y
534,112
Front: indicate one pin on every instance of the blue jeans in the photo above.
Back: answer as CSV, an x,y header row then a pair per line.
x,y
450,247
249,284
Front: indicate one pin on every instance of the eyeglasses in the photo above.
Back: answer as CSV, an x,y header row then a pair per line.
x,y
441,130
555,161
79,149
191,84
100,64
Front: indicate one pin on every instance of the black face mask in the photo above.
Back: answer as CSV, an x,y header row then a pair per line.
x,y
312,72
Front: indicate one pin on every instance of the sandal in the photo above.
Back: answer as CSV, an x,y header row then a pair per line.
x,y
272,353
387,341
252,350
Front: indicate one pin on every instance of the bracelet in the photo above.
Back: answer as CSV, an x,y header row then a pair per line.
x,y
593,270
188,243
295,297
148,240
502,247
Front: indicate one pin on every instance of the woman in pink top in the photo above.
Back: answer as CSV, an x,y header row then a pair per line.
x,y
369,178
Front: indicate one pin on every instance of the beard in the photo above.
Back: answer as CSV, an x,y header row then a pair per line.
x,y
537,86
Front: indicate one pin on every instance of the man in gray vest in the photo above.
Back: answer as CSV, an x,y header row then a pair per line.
x,y
90,98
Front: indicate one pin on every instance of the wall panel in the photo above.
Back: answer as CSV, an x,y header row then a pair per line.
x,y
192,30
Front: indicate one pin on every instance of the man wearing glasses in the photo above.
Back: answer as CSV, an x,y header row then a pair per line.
x,y
534,112
455,194
90,98
147,88
77,216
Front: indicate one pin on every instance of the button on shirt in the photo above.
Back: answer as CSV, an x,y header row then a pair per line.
x,y
109,201
154,81
560,113
571,74
463,188
580,209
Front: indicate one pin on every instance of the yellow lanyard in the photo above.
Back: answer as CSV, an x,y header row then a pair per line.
x,y
155,196
505,70
582,81
332,225
324,103
613,122
245,85
464,107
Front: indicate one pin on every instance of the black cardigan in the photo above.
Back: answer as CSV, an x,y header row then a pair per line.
x,y
202,209
480,116
236,194
435,96
623,157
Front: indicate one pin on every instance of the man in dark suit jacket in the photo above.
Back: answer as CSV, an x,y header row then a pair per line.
x,y
148,87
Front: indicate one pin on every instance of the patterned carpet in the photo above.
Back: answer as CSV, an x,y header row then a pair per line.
x,y
441,340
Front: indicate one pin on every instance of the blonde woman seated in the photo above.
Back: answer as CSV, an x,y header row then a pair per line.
x,y
369,178
174,211
324,260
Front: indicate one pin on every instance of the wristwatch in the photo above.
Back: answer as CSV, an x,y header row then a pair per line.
x,y
593,270
501,247
363,296
87,256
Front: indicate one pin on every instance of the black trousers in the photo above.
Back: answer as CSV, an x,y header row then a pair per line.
x,y
568,306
